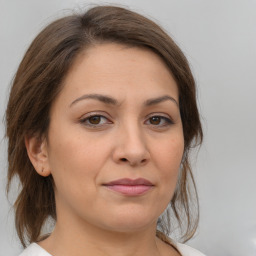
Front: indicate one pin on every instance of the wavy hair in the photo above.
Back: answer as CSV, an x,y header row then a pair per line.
x,y
38,81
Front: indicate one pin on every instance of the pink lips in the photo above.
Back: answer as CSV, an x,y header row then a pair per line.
x,y
130,187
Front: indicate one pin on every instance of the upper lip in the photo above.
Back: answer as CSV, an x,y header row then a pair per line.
x,y
131,182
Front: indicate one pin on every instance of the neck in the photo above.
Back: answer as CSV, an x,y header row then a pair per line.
x,y
90,241
75,237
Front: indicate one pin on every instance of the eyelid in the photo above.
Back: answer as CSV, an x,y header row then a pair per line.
x,y
160,115
95,113
168,120
85,117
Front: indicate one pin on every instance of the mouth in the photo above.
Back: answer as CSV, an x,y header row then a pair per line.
x,y
130,187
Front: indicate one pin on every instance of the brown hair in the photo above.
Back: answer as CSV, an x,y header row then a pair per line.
x,y
39,80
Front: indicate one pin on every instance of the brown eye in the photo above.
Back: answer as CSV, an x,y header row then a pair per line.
x,y
155,120
94,119
159,121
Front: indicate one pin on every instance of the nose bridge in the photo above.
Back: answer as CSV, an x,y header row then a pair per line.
x,y
133,137
131,143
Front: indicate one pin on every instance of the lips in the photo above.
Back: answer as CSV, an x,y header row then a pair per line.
x,y
130,187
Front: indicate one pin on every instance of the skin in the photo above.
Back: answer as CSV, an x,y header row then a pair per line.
x,y
125,143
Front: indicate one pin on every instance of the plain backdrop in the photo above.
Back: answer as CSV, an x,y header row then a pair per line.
x,y
219,39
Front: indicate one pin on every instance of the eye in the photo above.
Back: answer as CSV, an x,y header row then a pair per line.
x,y
95,120
159,121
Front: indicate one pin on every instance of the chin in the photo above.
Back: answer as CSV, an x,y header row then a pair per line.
x,y
127,222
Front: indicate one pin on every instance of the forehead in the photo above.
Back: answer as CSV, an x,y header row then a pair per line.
x,y
115,69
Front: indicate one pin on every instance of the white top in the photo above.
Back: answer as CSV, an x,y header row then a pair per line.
x,y
36,250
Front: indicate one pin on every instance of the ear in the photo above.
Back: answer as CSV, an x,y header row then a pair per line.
x,y
38,154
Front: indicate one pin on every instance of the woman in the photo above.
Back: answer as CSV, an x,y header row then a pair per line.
x,y
101,118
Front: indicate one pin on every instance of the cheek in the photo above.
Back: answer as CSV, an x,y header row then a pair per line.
x,y
76,165
169,153
168,156
75,160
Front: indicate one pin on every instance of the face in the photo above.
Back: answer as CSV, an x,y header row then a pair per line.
x,y
115,139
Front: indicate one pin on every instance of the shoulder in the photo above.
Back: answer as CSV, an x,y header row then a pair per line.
x,y
34,250
186,250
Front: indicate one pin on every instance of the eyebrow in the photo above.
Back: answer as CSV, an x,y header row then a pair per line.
x,y
158,100
111,101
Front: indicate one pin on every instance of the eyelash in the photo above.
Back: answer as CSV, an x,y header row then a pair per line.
x,y
167,121
84,120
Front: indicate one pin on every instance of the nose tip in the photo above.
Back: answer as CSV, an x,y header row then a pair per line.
x,y
133,162
131,149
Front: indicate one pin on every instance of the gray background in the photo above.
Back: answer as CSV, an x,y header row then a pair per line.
x,y
219,39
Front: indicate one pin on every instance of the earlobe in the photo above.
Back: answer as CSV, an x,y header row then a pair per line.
x,y
38,155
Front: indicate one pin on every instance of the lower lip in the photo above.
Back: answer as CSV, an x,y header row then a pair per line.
x,y
130,190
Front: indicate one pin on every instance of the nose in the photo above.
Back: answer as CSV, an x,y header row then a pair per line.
x,y
131,147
